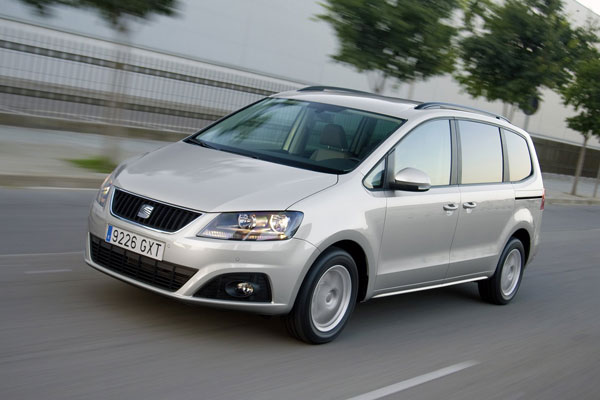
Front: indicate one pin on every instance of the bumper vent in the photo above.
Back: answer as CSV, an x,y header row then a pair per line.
x,y
156,273
163,217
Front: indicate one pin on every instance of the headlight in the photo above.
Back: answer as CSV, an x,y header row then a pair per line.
x,y
102,196
253,226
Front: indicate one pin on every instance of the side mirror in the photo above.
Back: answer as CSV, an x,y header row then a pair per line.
x,y
412,180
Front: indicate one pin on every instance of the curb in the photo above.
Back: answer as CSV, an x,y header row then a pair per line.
x,y
585,202
85,182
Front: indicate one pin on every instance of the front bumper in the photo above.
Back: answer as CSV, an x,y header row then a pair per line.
x,y
284,262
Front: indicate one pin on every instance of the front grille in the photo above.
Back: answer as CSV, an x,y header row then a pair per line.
x,y
161,274
163,217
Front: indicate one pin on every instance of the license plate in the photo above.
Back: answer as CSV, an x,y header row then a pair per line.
x,y
133,242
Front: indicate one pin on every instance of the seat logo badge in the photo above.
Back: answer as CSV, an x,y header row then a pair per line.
x,y
145,211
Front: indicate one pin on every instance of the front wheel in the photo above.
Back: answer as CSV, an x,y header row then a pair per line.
x,y
326,298
502,287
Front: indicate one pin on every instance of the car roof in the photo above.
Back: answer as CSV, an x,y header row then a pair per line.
x,y
353,99
395,107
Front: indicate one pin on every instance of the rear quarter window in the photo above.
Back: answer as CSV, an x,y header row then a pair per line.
x,y
519,158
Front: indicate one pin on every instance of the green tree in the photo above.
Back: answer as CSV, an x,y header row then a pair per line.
x,y
512,49
406,40
116,12
583,93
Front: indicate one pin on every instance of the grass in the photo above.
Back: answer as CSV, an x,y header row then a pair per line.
x,y
98,164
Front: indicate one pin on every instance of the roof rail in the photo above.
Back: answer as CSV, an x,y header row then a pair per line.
x,y
340,89
451,106
332,88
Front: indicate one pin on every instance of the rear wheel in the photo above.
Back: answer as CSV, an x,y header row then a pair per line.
x,y
502,287
326,298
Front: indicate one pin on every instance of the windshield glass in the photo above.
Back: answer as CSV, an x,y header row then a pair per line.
x,y
317,136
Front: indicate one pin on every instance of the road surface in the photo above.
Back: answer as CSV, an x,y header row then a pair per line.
x,y
71,332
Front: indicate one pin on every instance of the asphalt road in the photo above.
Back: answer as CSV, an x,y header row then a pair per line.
x,y
69,332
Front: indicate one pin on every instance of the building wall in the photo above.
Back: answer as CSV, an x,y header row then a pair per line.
x,y
281,38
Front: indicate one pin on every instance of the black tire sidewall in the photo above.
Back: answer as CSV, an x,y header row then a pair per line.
x,y
302,307
513,244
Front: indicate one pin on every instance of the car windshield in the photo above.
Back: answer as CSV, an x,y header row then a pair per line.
x,y
316,136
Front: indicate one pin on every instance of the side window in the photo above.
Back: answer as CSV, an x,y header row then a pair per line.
x,y
481,152
519,159
428,148
375,178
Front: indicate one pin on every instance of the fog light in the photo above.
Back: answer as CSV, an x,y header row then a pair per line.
x,y
237,286
241,289
244,289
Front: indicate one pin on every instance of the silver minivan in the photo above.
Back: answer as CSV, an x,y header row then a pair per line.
x,y
307,202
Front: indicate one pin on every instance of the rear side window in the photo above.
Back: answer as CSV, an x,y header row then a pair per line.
x,y
481,153
519,159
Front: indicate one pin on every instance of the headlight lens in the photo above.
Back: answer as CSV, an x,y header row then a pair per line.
x,y
253,226
102,196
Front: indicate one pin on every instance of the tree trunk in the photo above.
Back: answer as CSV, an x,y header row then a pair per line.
x,y
526,125
580,164
411,90
597,182
376,81
511,114
114,111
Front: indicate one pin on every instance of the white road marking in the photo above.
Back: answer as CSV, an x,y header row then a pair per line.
x,y
48,271
410,383
66,253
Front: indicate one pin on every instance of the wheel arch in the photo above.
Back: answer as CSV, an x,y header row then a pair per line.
x,y
525,237
360,258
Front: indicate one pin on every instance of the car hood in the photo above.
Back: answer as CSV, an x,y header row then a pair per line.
x,y
215,181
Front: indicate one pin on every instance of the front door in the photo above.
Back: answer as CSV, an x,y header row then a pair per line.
x,y
419,226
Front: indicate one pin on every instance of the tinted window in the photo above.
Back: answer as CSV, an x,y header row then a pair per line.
x,y
481,153
375,178
428,148
519,160
317,136
381,130
349,122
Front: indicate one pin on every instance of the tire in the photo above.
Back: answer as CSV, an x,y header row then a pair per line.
x,y
335,298
503,286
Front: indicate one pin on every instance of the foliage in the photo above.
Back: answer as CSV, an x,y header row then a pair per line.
x,y
514,48
98,164
113,11
583,93
403,39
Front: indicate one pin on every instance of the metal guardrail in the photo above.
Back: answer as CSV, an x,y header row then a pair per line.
x,y
83,79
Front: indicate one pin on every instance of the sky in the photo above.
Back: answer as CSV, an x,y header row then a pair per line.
x,y
593,5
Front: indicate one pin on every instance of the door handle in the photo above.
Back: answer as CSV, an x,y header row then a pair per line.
x,y
469,204
450,207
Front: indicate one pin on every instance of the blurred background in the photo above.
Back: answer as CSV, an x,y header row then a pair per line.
x,y
167,68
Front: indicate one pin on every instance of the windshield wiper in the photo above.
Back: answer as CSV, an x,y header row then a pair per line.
x,y
201,143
